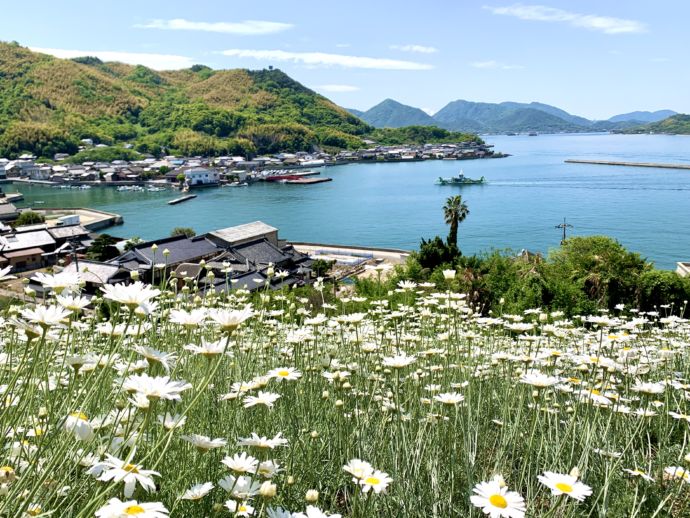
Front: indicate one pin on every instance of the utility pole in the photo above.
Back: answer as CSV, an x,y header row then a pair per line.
x,y
564,226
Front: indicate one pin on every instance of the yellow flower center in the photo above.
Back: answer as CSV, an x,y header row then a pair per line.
x,y
133,510
6,470
34,512
498,501
372,481
79,415
566,488
596,392
130,468
242,508
283,374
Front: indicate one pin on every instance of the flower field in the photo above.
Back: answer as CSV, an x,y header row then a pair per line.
x,y
156,402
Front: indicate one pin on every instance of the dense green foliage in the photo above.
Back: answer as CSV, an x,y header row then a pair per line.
x,y
47,105
103,248
675,125
421,135
183,231
29,217
392,114
582,276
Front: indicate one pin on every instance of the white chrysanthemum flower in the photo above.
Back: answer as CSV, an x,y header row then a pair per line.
x,y
115,508
262,442
648,387
241,487
209,348
399,361
130,295
359,469
59,282
166,359
560,484
193,318
449,398
158,387
494,499
262,398
376,480
285,373
239,508
122,471
241,463
74,303
45,316
229,320
197,491
170,422
78,424
539,379
268,469
204,443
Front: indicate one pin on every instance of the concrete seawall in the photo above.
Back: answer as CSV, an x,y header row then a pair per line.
x,y
629,164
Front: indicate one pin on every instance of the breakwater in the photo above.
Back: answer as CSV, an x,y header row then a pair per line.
x,y
629,164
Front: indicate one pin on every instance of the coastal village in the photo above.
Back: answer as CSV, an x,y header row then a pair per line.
x,y
247,251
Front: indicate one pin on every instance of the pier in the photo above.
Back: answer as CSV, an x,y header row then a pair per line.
x,y
629,164
183,198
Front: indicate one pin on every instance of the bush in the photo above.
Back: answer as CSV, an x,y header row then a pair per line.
x,y
29,217
661,287
183,231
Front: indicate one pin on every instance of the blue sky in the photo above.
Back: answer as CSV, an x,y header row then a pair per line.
x,y
591,58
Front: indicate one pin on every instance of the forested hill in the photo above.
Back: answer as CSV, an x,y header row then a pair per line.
x,y
678,124
48,104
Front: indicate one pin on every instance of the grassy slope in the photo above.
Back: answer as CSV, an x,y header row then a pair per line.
x,y
108,101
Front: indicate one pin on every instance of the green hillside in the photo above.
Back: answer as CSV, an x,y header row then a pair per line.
x,y
675,125
392,114
48,104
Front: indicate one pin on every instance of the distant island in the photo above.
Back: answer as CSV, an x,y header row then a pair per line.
x,y
505,117
675,125
52,106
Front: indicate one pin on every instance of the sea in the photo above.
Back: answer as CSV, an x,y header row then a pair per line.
x,y
394,205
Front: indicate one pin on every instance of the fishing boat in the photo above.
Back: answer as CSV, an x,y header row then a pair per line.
x,y
461,179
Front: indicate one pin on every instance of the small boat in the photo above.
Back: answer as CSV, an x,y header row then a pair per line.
x,y
238,184
461,179
155,189
84,187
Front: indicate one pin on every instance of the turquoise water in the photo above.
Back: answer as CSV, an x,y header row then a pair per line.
x,y
393,205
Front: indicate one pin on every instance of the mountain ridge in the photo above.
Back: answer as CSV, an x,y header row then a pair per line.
x,y
504,117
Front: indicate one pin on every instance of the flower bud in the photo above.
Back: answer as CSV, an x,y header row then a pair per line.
x,y
312,496
268,489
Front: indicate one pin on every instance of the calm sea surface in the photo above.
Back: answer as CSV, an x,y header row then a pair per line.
x,y
393,205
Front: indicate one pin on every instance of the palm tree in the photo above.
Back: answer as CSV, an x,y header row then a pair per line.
x,y
454,211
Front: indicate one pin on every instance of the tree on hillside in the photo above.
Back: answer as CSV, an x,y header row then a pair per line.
x,y
103,248
454,212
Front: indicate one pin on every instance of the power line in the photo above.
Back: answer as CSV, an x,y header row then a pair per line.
x,y
564,226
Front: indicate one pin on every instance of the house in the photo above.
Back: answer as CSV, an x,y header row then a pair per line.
x,y
8,212
25,248
3,173
201,176
96,274
180,249
237,235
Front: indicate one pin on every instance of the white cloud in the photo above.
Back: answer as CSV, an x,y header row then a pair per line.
x,y
338,88
491,64
415,48
323,59
542,13
155,61
244,28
